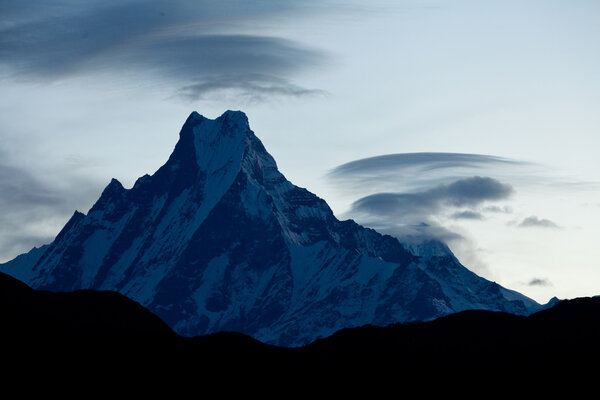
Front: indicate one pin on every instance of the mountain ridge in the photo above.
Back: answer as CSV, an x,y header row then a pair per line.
x,y
93,325
218,239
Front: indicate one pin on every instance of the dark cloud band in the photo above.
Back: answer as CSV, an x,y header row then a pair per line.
x,y
420,161
464,192
467,214
413,216
185,43
539,282
256,87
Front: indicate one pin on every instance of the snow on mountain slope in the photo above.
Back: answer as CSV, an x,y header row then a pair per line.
x,y
218,239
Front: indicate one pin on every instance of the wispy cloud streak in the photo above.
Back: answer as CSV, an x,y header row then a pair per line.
x,y
535,222
32,208
195,46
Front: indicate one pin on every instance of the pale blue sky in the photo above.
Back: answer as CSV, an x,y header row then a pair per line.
x,y
95,90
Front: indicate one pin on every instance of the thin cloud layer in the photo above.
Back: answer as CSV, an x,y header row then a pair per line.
x,y
539,282
467,214
416,169
535,222
463,192
426,196
419,217
421,161
32,208
192,45
252,87
414,217
498,210
415,233
20,187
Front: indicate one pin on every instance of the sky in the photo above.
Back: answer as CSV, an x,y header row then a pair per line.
x,y
471,122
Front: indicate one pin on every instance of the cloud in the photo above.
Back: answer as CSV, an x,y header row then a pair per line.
x,y
467,214
421,161
252,87
539,282
535,222
33,208
463,192
591,204
415,217
416,233
417,169
409,196
21,188
195,46
497,209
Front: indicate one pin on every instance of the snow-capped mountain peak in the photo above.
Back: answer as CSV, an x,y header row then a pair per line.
x,y
218,239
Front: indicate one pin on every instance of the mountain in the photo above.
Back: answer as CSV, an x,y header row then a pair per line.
x,y
89,326
218,239
561,335
45,317
92,334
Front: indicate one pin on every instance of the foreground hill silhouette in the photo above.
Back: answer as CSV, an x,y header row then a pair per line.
x,y
90,328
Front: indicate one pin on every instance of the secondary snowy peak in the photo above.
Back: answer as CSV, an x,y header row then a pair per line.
x,y
218,239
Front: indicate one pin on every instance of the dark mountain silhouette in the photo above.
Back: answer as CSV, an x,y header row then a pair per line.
x,y
95,328
42,323
567,332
